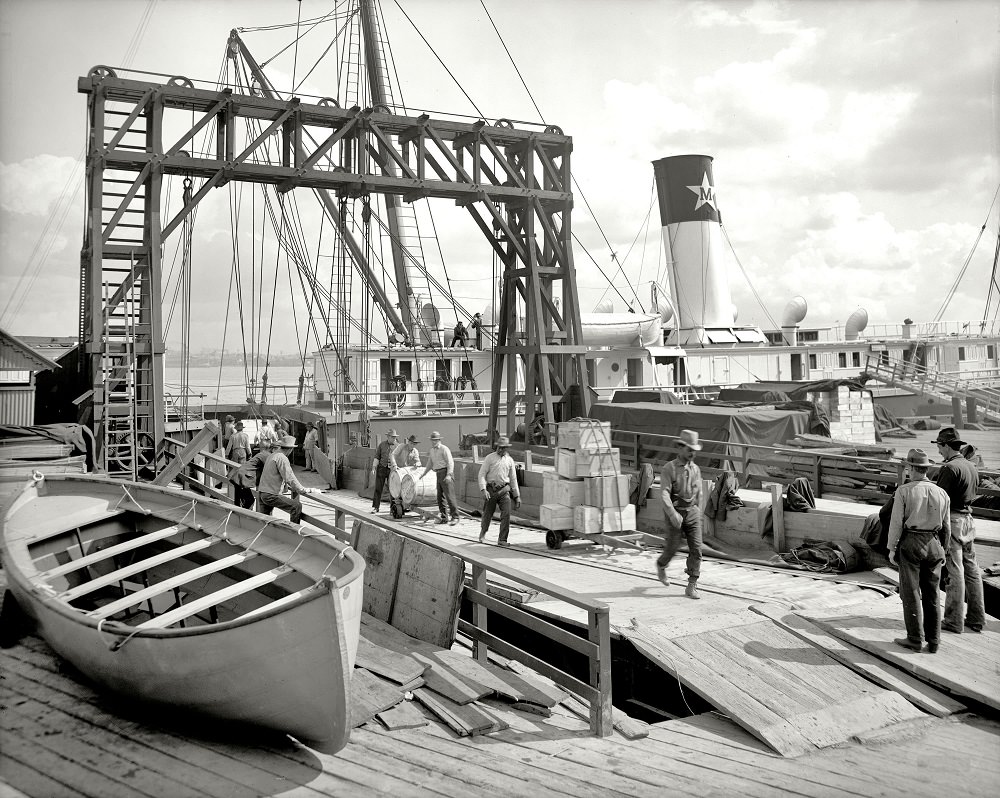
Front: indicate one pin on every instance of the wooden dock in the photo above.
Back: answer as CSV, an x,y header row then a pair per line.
x,y
804,711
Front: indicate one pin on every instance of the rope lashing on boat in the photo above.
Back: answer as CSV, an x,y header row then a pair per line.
x,y
131,498
115,645
224,523
37,476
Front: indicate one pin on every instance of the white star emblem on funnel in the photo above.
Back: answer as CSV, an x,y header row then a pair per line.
x,y
705,192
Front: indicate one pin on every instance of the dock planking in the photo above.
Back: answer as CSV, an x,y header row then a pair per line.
x,y
966,665
700,756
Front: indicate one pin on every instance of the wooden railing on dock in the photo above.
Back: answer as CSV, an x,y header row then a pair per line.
x,y
596,647
827,473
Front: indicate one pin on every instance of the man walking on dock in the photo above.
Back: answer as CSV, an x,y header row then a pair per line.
x,y
440,461
276,475
498,484
680,485
382,464
918,527
959,478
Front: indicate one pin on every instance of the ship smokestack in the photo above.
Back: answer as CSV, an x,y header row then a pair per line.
x,y
692,226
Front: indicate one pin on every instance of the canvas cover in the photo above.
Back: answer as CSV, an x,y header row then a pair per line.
x,y
716,426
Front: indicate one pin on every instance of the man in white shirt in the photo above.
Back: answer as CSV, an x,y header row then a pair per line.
x,y
440,461
680,485
498,484
309,445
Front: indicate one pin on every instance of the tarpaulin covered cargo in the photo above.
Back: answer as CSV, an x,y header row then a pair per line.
x,y
716,426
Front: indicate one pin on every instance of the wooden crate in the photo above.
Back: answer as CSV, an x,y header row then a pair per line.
x,y
589,520
608,491
572,464
585,435
560,490
556,516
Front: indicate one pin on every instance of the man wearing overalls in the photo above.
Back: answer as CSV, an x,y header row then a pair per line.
x,y
680,483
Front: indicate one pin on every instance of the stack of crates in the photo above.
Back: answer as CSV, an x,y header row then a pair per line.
x,y
587,493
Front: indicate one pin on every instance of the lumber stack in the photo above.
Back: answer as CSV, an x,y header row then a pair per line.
x,y
586,493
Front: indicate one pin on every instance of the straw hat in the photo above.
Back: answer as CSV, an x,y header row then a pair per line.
x,y
689,437
503,442
918,458
435,436
287,442
392,434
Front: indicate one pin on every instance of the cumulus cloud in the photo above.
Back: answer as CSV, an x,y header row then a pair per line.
x,y
36,185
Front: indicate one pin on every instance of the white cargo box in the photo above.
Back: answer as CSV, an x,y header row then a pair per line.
x,y
585,435
610,491
589,520
571,464
560,490
555,516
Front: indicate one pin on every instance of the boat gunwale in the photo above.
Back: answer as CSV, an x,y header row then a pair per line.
x,y
40,592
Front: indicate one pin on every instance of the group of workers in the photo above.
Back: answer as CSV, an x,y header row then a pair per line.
x,y
497,478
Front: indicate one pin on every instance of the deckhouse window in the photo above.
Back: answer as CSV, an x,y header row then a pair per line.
x,y
842,360
961,353
855,358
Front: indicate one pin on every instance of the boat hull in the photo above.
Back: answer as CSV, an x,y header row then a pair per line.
x,y
282,665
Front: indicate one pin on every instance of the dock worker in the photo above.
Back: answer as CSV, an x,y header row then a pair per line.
x,y
267,435
959,478
459,335
247,477
440,461
238,449
498,484
310,444
276,475
228,428
919,526
382,465
476,323
407,455
680,485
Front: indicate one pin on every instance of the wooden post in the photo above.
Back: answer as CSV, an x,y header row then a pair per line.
x,y
956,411
818,475
479,612
971,411
778,518
601,720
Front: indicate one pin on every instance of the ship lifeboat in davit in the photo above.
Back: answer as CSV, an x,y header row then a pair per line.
x,y
622,329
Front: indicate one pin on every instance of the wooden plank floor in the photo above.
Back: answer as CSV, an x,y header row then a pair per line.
x,y
59,738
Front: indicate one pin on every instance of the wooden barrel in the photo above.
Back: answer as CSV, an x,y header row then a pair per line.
x,y
407,485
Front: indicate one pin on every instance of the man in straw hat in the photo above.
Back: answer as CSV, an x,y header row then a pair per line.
x,y
680,484
276,474
918,528
440,461
498,484
382,464
959,478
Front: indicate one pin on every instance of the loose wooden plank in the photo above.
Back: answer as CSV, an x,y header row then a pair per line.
x,y
382,551
463,719
628,727
399,668
370,695
404,715
428,593
872,668
712,684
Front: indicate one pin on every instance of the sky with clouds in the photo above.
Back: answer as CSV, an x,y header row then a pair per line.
x,y
855,143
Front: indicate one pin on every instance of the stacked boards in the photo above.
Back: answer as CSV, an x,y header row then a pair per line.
x,y
586,495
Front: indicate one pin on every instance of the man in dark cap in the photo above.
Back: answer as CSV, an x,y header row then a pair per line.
x,y
382,464
498,484
918,529
959,478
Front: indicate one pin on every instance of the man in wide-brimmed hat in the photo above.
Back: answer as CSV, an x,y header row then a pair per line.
x,y
238,448
276,474
382,465
959,478
918,529
680,484
407,455
440,461
498,484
